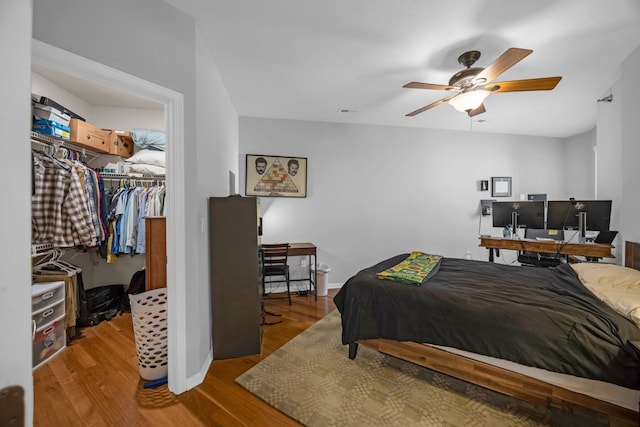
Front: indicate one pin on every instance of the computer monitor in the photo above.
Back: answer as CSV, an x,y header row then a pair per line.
x,y
529,214
564,214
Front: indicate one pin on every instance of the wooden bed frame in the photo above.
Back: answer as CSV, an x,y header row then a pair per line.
x,y
502,380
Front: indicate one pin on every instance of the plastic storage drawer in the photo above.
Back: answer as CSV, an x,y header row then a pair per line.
x,y
47,314
46,294
49,340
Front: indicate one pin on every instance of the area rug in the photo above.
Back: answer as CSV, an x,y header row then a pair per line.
x,y
312,379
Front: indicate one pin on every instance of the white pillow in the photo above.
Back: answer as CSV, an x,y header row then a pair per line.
x,y
617,286
626,303
148,157
145,169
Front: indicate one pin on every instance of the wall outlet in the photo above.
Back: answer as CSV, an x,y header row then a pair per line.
x,y
303,262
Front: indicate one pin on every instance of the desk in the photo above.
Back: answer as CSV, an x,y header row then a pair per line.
x,y
309,250
596,250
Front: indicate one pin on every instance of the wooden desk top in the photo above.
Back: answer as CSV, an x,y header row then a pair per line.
x,y
301,249
597,250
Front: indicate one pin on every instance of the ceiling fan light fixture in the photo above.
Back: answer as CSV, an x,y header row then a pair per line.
x,y
469,100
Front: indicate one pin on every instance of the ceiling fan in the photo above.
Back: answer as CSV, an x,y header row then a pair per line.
x,y
473,84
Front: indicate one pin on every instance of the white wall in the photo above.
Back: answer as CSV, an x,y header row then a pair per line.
x,y
618,152
216,154
376,191
15,290
609,154
630,122
608,170
127,118
42,86
579,166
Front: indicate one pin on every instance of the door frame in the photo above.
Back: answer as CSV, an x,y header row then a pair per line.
x,y
66,62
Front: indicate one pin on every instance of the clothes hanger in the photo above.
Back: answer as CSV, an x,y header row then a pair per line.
x,y
64,265
56,262
45,155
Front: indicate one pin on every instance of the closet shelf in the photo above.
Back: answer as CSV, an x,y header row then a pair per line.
x,y
50,141
38,249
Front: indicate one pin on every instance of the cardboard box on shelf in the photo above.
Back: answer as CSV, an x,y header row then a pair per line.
x,y
89,136
120,143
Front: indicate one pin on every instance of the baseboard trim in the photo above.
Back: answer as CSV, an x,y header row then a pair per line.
x,y
198,379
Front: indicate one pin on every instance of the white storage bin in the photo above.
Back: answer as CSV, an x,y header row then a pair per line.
x,y
46,294
48,313
49,340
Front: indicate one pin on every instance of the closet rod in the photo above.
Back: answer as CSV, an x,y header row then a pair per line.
x,y
119,176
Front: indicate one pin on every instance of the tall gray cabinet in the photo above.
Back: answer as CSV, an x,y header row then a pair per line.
x,y
235,283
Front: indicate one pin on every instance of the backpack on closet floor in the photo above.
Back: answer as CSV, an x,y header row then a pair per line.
x,y
137,285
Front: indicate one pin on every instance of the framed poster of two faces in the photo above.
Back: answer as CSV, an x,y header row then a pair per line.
x,y
275,176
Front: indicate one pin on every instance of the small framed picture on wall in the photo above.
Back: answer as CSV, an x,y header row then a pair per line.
x,y
501,186
275,176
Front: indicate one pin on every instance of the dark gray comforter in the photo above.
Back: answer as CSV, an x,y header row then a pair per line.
x,y
541,317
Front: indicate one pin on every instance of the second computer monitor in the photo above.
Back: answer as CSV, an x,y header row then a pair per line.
x,y
563,214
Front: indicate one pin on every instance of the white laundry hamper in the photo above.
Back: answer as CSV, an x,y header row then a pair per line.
x,y
149,315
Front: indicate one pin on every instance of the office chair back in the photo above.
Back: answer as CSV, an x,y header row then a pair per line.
x,y
274,263
536,259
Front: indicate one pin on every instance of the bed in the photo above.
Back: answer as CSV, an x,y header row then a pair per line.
x,y
537,334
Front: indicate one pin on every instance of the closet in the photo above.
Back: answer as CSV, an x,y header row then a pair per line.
x,y
82,257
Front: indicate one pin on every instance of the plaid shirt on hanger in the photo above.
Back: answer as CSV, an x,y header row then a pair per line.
x,y
59,209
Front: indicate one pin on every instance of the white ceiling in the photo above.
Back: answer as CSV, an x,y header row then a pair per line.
x,y
307,59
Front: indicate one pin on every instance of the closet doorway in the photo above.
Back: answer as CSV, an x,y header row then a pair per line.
x,y
61,61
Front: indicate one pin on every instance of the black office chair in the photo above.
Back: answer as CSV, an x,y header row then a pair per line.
x,y
539,259
274,264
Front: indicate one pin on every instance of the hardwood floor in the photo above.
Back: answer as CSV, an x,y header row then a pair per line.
x,y
95,381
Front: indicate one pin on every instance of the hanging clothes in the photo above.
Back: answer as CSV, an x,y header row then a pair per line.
x,y
60,214
128,207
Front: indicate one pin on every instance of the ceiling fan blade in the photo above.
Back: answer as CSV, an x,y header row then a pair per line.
x,y
507,60
418,85
478,110
430,106
542,83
